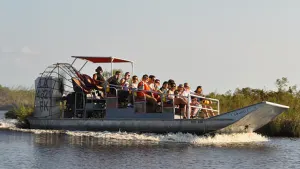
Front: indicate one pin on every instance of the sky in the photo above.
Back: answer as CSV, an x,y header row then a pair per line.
x,y
218,44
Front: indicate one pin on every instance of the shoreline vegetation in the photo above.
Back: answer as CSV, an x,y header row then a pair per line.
x,y
20,101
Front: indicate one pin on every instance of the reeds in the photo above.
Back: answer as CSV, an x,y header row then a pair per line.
x,y
286,124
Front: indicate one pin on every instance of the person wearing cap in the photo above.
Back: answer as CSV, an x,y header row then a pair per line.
x,y
98,77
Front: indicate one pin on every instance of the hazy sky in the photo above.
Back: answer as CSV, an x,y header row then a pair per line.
x,y
219,44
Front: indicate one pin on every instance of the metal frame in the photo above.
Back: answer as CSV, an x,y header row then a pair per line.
x,y
189,104
111,62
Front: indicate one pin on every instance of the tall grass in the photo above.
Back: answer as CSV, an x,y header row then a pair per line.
x,y
286,124
21,100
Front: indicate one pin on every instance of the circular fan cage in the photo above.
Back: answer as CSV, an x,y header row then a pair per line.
x,y
62,75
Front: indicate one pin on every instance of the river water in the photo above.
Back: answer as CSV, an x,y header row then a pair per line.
x,y
20,148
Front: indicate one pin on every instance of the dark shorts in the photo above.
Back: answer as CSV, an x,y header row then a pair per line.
x,y
169,102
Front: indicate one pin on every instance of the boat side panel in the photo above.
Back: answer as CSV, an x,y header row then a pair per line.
x,y
156,126
129,113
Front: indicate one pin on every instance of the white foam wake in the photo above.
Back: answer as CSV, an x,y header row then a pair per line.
x,y
219,139
10,124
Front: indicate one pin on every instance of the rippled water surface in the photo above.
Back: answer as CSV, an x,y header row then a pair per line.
x,y
65,149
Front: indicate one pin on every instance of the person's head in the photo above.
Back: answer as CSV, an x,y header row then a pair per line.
x,y
198,89
170,81
165,85
151,78
134,79
186,86
172,86
180,87
157,82
145,78
127,75
118,74
99,69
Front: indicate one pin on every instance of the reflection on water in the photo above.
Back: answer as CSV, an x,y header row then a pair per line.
x,y
52,150
70,150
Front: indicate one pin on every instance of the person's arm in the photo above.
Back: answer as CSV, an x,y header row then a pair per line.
x,y
109,80
95,78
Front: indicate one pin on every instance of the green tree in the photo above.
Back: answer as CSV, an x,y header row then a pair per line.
x,y
281,84
107,74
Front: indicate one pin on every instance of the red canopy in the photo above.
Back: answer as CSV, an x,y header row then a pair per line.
x,y
96,59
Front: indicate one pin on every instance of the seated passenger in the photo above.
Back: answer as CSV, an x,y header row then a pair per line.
x,y
125,81
156,89
164,88
151,82
143,85
134,82
122,82
198,92
123,94
203,103
98,77
170,82
187,87
209,110
114,82
173,94
99,80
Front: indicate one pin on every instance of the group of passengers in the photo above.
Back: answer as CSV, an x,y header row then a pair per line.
x,y
150,88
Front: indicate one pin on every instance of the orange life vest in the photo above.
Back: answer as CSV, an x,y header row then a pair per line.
x,y
142,86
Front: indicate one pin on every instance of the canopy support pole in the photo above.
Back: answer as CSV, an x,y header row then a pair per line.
x,y
132,68
111,65
83,66
73,61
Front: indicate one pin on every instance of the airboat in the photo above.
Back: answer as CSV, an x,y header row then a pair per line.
x,y
65,100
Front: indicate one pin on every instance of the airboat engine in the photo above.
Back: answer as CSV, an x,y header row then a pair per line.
x,y
48,97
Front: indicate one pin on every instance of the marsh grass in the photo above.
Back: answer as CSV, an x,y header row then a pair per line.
x,y
286,124
21,100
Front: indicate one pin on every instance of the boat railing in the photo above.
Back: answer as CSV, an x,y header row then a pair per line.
x,y
109,90
164,98
200,106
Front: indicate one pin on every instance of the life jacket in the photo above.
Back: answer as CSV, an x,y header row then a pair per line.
x,y
142,86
